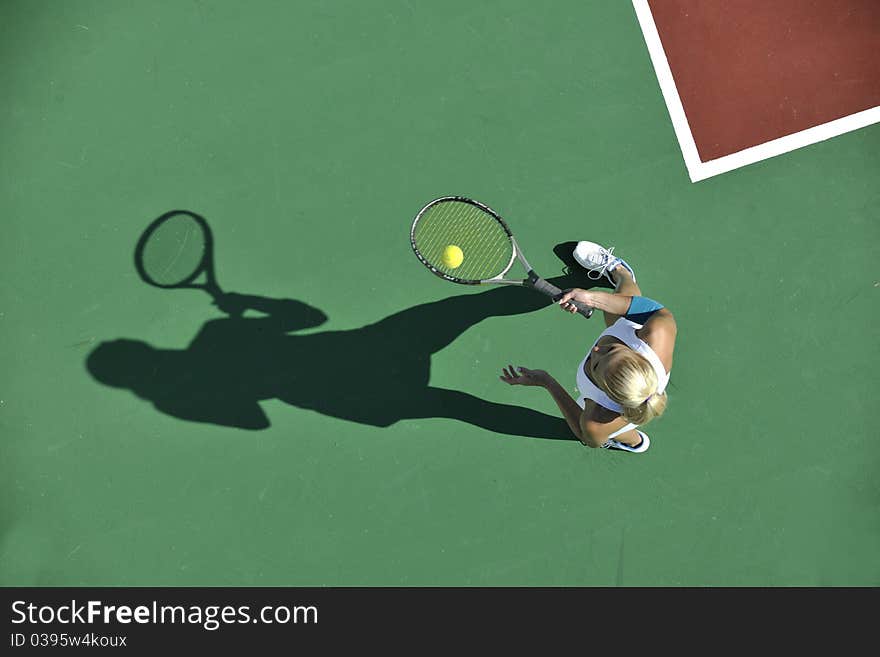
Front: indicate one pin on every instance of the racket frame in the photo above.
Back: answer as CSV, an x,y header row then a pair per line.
x,y
532,279
205,266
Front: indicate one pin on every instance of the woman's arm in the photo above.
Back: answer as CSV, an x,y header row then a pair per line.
x,y
573,414
617,304
659,327
284,314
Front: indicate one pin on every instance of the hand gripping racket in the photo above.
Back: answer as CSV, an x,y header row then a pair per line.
x,y
463,241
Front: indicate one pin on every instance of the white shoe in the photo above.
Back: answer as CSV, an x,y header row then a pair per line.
x,y
638,449
599,261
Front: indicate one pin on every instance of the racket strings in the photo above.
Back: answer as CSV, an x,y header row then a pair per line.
x,y
172,263
446,223
452,224
484,242
175,251
478,236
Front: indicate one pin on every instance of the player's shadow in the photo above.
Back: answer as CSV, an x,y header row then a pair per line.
x,y
375,375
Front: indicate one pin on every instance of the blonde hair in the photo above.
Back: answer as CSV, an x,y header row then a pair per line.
x,y
632,382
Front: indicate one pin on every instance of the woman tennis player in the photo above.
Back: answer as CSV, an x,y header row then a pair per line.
x,y
622,379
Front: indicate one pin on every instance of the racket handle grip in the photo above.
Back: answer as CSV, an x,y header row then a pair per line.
x,y
537,283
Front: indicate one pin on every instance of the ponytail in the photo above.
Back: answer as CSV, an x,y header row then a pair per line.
x,y
652,407
633,384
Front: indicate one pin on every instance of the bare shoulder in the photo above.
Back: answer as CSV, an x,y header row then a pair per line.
x,y
660,332
597,413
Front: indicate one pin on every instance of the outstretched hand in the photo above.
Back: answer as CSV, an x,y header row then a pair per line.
x,y
522,376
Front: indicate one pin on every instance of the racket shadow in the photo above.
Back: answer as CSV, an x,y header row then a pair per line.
x,y
375,375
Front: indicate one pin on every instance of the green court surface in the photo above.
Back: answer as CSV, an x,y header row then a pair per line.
x,y
308,134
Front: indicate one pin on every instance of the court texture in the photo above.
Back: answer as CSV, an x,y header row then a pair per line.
x,y
360,436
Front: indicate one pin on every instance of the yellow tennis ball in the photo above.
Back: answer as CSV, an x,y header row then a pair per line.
x,y
452,256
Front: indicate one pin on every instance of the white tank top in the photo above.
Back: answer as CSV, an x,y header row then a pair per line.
x,y
625,331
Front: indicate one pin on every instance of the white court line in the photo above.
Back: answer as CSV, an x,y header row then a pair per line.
x,y
699,170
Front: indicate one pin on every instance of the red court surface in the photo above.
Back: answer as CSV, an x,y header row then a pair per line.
x,y
742,74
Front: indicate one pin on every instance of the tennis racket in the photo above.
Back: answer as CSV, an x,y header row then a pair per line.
x,y
175,251
464,241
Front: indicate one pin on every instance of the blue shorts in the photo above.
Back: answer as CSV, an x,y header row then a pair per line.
x,y
641,309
